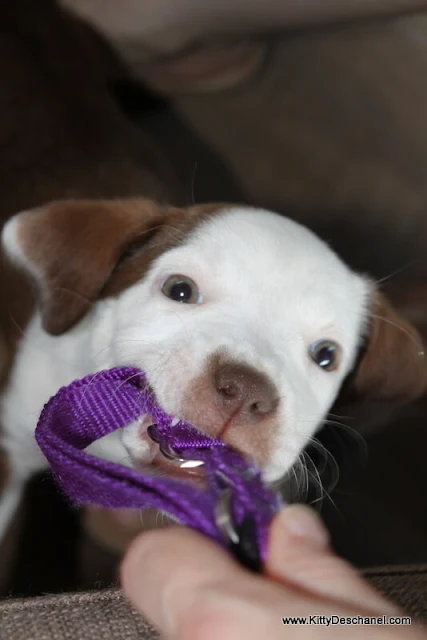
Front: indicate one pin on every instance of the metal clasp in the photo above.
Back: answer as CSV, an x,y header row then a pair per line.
x,y
169,453
242,539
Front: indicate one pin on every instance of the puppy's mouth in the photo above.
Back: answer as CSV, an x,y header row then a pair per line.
x,y
148,455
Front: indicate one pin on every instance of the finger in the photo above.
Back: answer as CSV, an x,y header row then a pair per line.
x,y
164,569
299,554
188,586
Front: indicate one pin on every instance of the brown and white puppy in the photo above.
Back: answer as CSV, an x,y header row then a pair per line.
x,y
245,322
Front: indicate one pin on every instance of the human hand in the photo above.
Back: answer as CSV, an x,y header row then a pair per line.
x,y
191,589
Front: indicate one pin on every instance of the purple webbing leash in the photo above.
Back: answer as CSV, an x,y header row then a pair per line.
x,y
234,508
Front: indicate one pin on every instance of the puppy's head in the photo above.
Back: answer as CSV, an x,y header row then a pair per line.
x,y
245,322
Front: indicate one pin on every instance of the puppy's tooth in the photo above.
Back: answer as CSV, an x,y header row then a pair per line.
x,y
175,421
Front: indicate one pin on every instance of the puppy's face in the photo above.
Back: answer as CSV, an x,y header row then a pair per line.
x,y
247,330
245,323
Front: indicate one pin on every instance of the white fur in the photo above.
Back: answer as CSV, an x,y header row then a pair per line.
x,y
270,288
10,242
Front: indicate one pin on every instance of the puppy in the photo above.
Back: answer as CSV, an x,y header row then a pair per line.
x,y
246,324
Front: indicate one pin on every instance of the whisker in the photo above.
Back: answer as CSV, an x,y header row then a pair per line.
x,y
395,273
17,326
323,491
349,431
395,324
339,417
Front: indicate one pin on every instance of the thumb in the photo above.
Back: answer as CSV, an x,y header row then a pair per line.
x,y
300,555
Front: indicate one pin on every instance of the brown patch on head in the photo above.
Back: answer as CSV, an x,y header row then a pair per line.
x,y
393,367
80,251
410,298
233,401
167,230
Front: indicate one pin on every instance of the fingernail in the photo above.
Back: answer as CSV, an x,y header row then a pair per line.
x,y
302,522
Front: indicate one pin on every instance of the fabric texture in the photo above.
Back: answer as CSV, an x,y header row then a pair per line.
x,y
405,585
106,615
102,615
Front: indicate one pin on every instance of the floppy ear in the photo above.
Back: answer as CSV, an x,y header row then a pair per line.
x,y
71,248
392,366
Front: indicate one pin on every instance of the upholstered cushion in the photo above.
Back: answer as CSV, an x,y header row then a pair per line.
x,y
73,616
106,614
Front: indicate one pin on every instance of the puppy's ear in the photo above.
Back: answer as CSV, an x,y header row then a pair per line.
x,y
72,249
392,366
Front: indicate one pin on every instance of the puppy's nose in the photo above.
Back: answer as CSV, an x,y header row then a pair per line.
x,y
244,394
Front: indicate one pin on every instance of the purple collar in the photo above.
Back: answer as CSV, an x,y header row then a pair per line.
x,y
235,508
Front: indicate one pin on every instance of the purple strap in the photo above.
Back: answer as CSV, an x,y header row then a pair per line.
x,y
101,403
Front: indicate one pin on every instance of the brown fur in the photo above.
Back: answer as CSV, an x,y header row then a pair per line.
x,y
392,364
85,250
394,367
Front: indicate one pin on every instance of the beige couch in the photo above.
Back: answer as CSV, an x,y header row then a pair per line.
x,y
106,614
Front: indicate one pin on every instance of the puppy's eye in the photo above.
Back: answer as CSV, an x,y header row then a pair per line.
x,y
325,353
182,289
